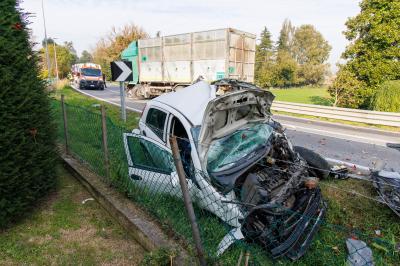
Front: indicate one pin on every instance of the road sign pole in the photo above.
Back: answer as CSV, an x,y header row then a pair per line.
x,y
122,95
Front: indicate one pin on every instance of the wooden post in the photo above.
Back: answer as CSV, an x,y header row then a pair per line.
x,y
187,200
64,112
104,138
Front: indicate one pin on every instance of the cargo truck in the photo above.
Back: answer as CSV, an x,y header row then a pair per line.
x,y
167,63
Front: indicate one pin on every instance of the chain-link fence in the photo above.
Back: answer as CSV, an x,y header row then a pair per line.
x,y
312,225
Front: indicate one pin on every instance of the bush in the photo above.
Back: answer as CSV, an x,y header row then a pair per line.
x,y
27,149
387,97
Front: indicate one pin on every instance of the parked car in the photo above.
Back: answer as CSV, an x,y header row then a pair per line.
x,y
238,162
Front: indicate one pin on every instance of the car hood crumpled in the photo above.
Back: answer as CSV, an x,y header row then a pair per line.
x,y
230,112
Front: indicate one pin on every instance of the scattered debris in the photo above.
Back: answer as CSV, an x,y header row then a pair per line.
x,y
86,200
340,172
359,253
393,145
387,185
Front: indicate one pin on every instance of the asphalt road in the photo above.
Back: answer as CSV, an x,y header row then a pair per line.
x,y
357,145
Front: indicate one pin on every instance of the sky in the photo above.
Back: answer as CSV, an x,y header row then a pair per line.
x,y
84,22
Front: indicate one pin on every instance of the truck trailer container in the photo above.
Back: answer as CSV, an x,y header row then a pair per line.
x,y
167,63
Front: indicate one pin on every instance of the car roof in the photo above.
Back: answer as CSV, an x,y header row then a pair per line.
x,y
190,101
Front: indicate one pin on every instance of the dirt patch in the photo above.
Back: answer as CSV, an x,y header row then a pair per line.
x,y
62,230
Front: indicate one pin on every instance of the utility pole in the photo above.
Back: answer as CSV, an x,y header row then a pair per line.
x,y
45,40
55,57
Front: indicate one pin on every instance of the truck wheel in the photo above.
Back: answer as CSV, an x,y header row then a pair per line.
x,y
135,93
318,165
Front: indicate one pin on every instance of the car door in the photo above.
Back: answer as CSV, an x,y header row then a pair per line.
x,y
151,166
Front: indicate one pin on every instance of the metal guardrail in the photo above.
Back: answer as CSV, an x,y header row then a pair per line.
x,y
355,115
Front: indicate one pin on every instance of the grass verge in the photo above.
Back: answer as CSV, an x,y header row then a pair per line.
x,y
307,95
75,98
62,230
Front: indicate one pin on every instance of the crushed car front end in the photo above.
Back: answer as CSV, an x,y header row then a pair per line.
x,y
245,152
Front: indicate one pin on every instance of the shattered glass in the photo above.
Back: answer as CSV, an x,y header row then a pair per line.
x,y
225,152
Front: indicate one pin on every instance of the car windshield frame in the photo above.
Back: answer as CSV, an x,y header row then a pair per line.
x,y
91,72
226,152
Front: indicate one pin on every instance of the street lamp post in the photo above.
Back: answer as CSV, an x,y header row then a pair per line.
x,y
55,57
45,41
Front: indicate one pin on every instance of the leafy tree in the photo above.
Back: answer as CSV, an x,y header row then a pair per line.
x,y
387,98
65,59
311,51
373,55
285,40
109,48
28,154
49,41
70,47
264,61
346,89
86,57
285,70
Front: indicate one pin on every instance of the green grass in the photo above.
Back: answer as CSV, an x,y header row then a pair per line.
x,y
64,231
307,95
347,214
113,112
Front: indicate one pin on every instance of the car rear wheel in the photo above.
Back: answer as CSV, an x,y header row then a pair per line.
x,y
317,163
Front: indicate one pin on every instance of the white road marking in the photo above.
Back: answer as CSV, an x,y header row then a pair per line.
x,y
336,134
107,101
107,89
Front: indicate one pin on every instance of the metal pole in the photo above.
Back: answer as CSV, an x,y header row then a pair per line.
x,y
104,137
55,58
45,41
187,200
122,95
64,111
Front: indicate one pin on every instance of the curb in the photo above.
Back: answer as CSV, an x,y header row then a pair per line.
x,y
145,230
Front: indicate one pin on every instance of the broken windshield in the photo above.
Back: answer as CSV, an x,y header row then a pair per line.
x,y
225,152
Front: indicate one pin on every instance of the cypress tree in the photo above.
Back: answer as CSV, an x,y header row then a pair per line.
x,y
27,150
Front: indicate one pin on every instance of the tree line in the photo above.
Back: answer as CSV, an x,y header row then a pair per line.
x,y
298,58
370,78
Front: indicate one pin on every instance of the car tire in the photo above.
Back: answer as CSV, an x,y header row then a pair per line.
x,y
320,167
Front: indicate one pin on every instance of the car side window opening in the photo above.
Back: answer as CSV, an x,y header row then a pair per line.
x,y
155,120
149,156
178,130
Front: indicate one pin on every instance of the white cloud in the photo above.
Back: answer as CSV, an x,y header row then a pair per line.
x,y
84,21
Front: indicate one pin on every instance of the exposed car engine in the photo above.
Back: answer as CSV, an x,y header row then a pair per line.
x,y
282,201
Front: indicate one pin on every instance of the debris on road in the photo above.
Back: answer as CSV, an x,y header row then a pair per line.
x,y
86,200
359,253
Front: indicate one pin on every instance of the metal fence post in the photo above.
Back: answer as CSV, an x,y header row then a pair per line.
x,y
187,200
64,112
104,138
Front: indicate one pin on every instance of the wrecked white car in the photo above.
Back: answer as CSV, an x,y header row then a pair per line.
x,y
238,162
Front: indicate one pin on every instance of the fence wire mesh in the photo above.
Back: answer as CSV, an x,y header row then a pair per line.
x,y
145,171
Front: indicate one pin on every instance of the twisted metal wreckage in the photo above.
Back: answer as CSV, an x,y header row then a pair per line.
x,y
238,162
